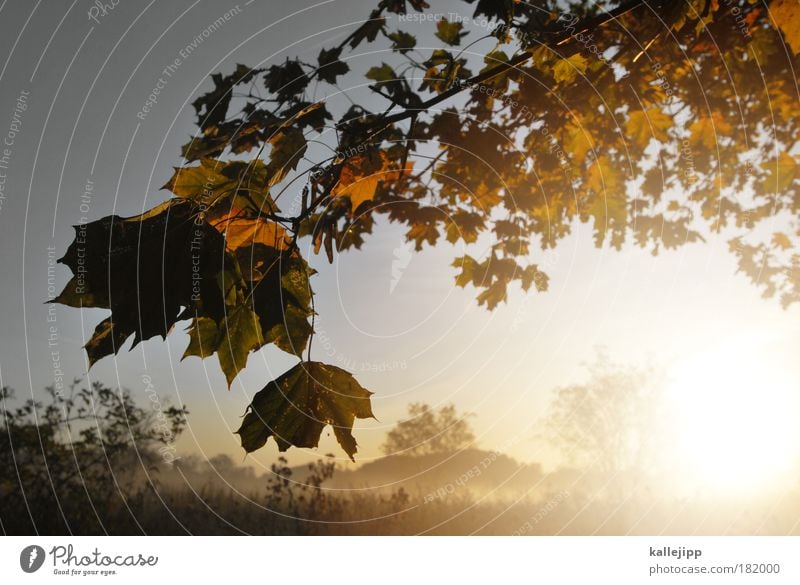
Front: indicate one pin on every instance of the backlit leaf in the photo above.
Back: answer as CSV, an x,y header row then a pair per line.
x,y
567,70
295,407
786,14
780,173
644,125
450,32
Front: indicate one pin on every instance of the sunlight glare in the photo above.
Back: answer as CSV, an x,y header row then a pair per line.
x,y
733,417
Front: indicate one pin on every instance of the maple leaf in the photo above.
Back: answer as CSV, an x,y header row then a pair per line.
x,y
282,297
197,182
244,232
567,70
295,407
608,204
240,334
786,14
232,341
781,240
268,303
708,129
212,107
288,148
330,67
359,188
286,80
142,269
368,30
402,42
382,74
361,175
578,140
642,125
242,184
464,225
450,32
781,173
603,176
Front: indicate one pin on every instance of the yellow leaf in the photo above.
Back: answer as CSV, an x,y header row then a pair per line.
x,y
542,56
578,141
781,240
782,172
707,130
243,231
360,177
603,177
211,179
786,14
567,70
359,189
197,183
642,125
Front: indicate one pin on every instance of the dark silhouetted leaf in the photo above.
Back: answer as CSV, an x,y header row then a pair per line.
x,y
330,67
296,406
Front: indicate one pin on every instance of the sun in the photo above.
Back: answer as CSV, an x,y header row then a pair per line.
x,y
734,415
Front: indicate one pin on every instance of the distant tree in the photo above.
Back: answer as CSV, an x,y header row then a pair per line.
x,y
609,422
427,431
656,122
76,463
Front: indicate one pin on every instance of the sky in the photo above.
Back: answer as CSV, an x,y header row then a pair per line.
x,y
84,148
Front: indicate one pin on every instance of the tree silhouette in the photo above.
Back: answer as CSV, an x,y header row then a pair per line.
x,y
428,431
612,423
656,122
75,462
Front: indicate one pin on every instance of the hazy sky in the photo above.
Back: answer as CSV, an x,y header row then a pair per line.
x,y
417,339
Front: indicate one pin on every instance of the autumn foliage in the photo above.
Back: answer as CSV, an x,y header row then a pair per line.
x,y
656,123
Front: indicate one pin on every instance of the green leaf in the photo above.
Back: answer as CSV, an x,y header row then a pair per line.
x,y
240,335
292,332
244,185
269,303
384,73
295,282
198,183
203,338
282,299
250,182
296,406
